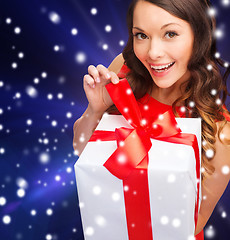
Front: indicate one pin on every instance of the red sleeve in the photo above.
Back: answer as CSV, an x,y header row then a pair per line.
x,y
200,236
226,115
124,70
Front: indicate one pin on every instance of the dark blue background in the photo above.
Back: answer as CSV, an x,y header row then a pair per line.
x,y
21,145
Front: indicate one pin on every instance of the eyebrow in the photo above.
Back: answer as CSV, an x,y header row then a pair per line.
x,y
164,26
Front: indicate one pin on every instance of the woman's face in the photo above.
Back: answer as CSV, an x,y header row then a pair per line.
x,y
163,43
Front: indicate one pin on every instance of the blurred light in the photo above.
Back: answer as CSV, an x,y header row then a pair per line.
x,y
164,220
50,96
57,178
121,43
17,30
56,48
21,192
22,183
74,31
223,214
60,96
46,141
100,220
210,232
108,28
2,201
105,46
89,231
49,211
96,190
6,219
226,2
217,55
21,55
209,67
93,11
213,92
54,17
225,170
8,20
68,114
33,212
209,153
54,123
44,74
212,12
219,33
14,65
80,57
176,222
116,196
36,80
32,91
2,150
48,237
218,101
44,158
191,104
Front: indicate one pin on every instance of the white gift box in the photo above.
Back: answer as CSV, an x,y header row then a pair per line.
x,y
172,186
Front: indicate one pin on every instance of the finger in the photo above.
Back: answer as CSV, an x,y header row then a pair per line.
x,y
88,80
92,70
103,71
114,77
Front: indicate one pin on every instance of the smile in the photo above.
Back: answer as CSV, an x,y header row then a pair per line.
x,y
162,68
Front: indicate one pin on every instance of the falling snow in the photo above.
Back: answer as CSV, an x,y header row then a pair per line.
x,y
41,88
54,17
74,31
93,11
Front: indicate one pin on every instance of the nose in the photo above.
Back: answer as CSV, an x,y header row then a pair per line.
x,y
156,49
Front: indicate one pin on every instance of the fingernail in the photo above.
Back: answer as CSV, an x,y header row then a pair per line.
x,y
98,80
116,81
108,76
93,86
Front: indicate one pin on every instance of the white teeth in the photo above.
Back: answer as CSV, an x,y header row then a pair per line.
x,y
162,66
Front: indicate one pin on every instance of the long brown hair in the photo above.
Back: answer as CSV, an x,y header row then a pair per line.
x,y
206,88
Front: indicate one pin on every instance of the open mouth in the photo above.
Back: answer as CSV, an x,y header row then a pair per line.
x,y
162,68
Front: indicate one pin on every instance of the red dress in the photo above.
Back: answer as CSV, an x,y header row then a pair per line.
x,y
122,74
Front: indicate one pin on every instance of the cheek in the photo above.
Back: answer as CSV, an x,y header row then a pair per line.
x,y
182,53
140,51
186,50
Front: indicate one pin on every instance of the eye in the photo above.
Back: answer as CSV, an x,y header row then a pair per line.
x,y
170,34
140,36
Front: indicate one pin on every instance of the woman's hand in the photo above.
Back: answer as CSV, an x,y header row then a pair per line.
x,y
94,86
99,100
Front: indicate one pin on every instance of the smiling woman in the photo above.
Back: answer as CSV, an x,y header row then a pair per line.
x,y
163,43
170,57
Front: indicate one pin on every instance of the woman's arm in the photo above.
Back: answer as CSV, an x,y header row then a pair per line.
x,y
98,99
213,186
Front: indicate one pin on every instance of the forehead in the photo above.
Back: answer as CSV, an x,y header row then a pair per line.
x,y
146,12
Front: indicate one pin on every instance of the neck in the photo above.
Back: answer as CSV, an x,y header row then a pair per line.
x,y
170,95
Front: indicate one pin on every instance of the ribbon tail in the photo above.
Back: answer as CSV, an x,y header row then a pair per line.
x,y
137,202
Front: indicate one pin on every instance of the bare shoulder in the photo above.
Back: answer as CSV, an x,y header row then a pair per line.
x,y
221,160
116,64
214,185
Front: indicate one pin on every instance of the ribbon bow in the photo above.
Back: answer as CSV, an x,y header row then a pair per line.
x,y
134,144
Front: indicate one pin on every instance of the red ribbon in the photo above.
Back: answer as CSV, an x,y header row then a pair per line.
x,y
129,161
